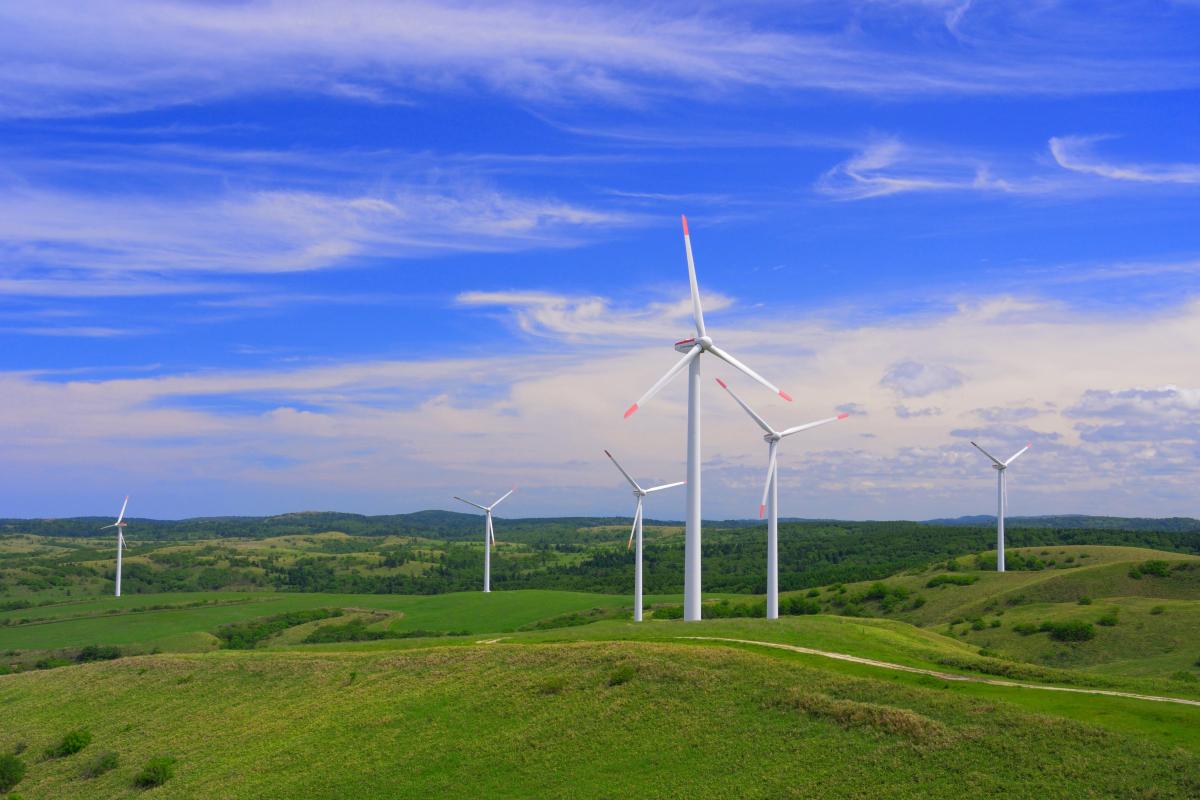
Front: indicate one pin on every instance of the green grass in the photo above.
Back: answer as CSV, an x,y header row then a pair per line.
x,y
550,721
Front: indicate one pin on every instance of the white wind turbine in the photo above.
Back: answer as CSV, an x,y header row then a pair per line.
x,y
692,349
1001,498
636,533
770,498
489,536
120,526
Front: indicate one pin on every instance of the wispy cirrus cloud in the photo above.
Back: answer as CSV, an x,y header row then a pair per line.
x,y
265,231
67,60
1075,153
890,166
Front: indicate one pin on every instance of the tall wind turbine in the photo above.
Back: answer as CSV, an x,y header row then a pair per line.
x,y
770,498
120,526
692,350
1001,498
489,536
640,494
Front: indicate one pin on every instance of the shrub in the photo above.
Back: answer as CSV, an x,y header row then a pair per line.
x,y
620,675
795,606
1157,568
1135,573
1085,601
12,770
554,684
1158,609
994,624
1109,619
1025,628
668,612
156,772
917,602
977,625
1073,631
951,580
94,652
100,765
813,593
70,744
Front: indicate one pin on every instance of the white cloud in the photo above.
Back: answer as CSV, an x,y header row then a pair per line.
x,y
405,433
1075,153
66,59
914,379
890,166
267,231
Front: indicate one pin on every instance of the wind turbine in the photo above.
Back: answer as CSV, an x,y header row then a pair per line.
x,y
770,498
120,526
640,494
1001,498
489,536
692,350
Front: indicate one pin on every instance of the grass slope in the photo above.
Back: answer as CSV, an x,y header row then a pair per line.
x,y
581,720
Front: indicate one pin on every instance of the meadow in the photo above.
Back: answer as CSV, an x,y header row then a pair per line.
x,y
270,692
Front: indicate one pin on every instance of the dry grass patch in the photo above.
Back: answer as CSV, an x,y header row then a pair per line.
x,y
890,720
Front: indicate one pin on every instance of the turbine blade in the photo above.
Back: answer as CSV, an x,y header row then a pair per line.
x,y
989,455
762,423
697,311
617,464
1017,454
491,532
502,499
637,514
733,362
771,461
468,502
816,424
106,527
121,516
665,379
666,486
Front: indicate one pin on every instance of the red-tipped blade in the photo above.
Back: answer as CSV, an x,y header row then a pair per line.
x,y
761,510
632,409
785,395
685,229
723,386
843,415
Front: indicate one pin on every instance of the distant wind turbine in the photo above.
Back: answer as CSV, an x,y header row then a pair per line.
x,y
1001,498
770,498
120,526
489,536
640,494
692,349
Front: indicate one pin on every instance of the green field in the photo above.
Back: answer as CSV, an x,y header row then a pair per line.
x,y
553,693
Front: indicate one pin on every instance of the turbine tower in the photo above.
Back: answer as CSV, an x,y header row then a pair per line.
x,y
692,349
489,536
770,498
640,494
1001,498
120,526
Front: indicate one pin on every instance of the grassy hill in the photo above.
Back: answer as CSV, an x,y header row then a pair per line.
x,y
583,720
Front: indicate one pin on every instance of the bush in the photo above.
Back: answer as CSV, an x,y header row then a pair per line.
x,y
622,674
1073,631
977,625
668,612
813,593
94,652
100,765
1025,628
1157,568
1109,619
994,623
1085,601
951,580
71,744
1158,609
917,602
795,606
156,772
12,770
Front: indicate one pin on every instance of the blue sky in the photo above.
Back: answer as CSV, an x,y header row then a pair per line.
x,y
261,257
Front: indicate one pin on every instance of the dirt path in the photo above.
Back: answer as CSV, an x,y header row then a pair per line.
x,y
946,676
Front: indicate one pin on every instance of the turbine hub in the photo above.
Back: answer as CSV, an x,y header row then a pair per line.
x,y
705,342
